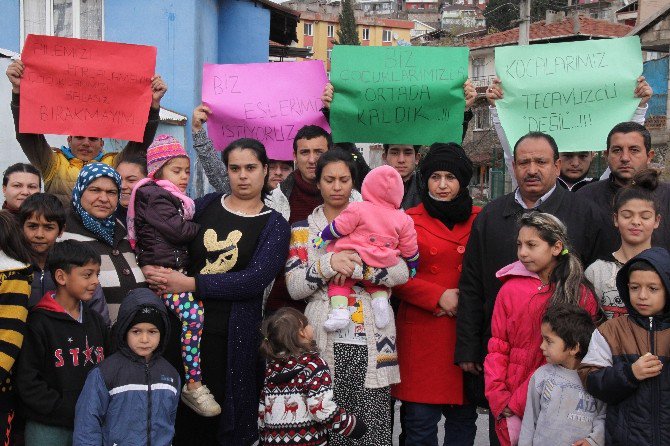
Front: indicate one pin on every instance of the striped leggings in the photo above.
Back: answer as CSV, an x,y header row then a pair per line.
x,y
191,314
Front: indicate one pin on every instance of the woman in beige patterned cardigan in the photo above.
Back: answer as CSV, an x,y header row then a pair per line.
x,y
362,357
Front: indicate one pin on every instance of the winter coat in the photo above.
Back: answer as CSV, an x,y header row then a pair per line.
x,y
127,400
162,234
426,343
376,228
576,186
297,396
15,280
411,196
514,347
119,272
602,193
42,284
308,272
638,412
57,354
60,171
492,245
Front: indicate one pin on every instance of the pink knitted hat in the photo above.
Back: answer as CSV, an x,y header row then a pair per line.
x,y
162,150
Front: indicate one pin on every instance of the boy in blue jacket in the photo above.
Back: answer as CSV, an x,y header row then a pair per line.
x,y
132,397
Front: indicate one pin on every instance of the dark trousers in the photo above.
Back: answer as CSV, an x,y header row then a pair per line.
x,y
188,423
420,429
493,437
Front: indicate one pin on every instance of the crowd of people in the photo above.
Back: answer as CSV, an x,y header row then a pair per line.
x,y
301,301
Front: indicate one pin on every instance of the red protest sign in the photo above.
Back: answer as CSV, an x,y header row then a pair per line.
x,y
85,87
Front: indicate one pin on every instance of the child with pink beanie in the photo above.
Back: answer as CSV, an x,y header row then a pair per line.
x,y
379,231
160,227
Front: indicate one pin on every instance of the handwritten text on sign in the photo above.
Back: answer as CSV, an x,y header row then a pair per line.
x,y
86,87
398,95
269,102
574,91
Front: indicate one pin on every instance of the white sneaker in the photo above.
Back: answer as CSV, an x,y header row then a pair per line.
x,y
337,320
381,311
201,401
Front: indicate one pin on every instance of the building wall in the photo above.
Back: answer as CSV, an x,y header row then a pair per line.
x,y
9,19
244,31
656,73
319,40
321,43
486,74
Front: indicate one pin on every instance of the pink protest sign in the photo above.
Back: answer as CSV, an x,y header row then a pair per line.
x,y
269,102
86,87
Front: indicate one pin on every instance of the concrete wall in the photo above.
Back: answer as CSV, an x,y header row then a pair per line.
x,y
9,24
244,32
656,73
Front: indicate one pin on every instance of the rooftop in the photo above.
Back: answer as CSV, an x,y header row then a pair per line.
x,y
562,30
371,21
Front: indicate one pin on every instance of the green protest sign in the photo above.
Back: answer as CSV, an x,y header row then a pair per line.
x,y
575,91
398,95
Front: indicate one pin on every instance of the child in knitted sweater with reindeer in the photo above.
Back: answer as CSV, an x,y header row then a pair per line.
x,y
296,405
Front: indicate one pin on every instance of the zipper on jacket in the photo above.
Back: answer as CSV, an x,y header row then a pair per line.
x,y
42,284
148,381
655,389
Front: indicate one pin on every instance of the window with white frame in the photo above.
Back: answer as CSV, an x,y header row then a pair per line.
x,y
329,53
482,118
478,67
308,29
331,30
66,18
366,33
386,35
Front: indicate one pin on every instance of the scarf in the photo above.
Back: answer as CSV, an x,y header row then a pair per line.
x,y
187,205
451,212
67,152
102,228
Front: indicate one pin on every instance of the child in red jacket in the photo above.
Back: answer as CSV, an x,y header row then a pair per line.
x,y
160,227
546,273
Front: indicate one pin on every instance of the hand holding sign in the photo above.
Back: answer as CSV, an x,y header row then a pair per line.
x,y
398,95
575,91
86,87
14,74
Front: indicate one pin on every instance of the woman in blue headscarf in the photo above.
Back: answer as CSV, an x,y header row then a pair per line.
x,y
91,220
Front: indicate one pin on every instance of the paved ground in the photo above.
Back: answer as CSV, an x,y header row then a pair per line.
x,y
482,430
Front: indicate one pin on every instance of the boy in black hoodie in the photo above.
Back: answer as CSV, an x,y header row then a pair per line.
x,y
65,340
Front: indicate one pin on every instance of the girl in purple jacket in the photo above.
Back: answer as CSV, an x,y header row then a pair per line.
x,y
160,227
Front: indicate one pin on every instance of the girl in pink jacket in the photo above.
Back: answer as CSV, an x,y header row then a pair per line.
x,y
546,273
379,231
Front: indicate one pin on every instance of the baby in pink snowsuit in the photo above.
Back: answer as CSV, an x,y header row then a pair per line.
x,y
379,231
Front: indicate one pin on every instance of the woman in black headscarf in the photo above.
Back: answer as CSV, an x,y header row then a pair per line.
x,y
432,385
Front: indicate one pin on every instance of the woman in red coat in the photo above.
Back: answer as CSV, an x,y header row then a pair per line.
x,y
431,385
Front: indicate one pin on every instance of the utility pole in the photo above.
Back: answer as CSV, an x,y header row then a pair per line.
x,y
524,22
